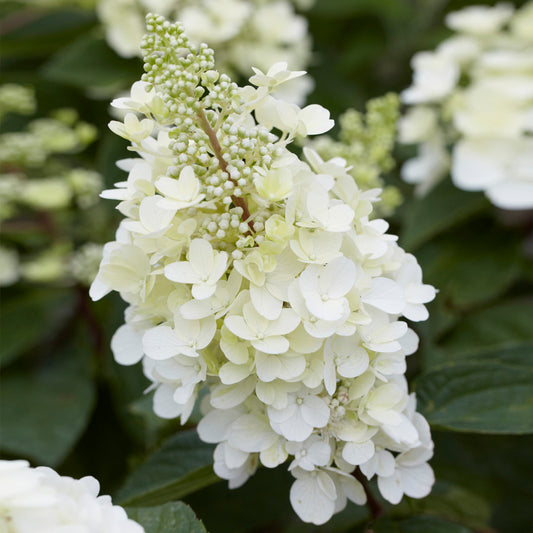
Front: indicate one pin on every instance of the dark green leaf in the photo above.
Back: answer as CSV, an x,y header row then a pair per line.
x,y
491,467
181,466
44,412
173,517
31,317
503,325
444,207
418,524
89,62
489,392
455,503
471,267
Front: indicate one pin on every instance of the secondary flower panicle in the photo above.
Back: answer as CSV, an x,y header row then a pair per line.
x,y
475,93
39,499
258,273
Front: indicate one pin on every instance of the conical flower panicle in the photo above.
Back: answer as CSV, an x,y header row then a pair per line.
x,y
260,274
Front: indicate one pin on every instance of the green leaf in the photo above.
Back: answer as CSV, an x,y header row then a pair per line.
x,y
30,317
503,325
491,467
472,267
455,503
45,411
89,62
442,208
489,392
173,517
418,524
181,466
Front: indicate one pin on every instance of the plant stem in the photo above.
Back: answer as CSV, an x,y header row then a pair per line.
x,y
84,309
375,508
217,150
18,19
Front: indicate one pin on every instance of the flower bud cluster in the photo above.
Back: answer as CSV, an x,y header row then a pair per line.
x,y
243,32
40,500
475,93
260,274
365,142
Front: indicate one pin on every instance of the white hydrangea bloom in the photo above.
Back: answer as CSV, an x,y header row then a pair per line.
x,y
244,33
258,274
475,93
40,500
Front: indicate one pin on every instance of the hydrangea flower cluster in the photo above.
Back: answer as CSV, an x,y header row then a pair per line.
x,y
475,93
40,188
243,32
260,274
40,500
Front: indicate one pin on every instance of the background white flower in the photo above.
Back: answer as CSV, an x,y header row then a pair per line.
x,y
40,500
475,93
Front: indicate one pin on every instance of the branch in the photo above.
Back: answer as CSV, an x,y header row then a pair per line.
x,y
18,19
42,221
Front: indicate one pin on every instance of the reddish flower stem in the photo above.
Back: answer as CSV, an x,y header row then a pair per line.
x,y
217,150
376,510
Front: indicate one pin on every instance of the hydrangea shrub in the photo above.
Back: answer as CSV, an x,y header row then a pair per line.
x,y
258,273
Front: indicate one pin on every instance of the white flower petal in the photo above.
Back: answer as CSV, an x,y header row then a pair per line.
x,y
214,426
164,404
161,343
310,502
228,396
391,487
386,295
275,344
358,453
418,480
182,272
251,434
264,303
127,345
315,411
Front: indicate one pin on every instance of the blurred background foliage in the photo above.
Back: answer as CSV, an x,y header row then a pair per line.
x,y
65,403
